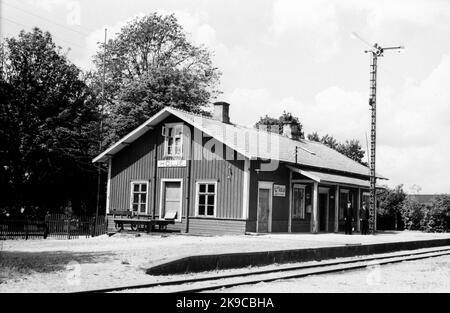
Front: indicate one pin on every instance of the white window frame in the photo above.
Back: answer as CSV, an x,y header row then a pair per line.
x,y
139,182
197,196
161,196
166,128
300,186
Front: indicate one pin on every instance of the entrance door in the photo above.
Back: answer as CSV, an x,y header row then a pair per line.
x,y
344,196
264,219
171,199
323,210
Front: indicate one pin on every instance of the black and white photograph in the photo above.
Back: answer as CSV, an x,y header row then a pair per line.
x,y
224,153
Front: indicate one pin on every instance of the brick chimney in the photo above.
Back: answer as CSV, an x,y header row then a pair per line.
x,y
290,130
222,112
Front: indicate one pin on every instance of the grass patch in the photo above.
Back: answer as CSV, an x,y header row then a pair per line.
x,y
15,265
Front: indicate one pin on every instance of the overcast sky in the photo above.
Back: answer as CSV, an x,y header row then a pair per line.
x,y
300,56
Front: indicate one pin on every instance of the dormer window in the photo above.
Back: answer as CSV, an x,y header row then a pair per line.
x,y
173,140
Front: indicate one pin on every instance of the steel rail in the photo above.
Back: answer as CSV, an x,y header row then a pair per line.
x,y
324,267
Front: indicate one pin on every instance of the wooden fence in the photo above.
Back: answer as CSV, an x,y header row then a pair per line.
x,y
22,229
58,226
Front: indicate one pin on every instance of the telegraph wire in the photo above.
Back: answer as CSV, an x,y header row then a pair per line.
x,y
51,21
23,25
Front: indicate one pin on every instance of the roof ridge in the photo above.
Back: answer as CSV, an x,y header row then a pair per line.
x,y
188,112
365,166
271,133
276,134
242,126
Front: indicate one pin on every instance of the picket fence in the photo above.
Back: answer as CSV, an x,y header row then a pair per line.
x,y
59,226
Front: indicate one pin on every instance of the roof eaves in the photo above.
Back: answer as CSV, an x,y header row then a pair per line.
x,y
179,114
124,142
139,131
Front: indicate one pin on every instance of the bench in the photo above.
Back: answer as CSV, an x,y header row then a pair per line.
x,y
169,218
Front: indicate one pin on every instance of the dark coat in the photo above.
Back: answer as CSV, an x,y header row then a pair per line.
x,y
348,212
364,214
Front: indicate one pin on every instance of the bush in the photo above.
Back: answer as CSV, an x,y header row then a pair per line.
x,y
437,216
412,214
390,203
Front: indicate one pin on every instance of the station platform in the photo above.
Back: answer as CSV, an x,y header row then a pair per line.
x,y
124,258
290,248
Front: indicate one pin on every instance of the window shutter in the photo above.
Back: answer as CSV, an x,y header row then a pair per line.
x,y
164,131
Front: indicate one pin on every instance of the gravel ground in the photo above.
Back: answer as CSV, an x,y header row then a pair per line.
x,y
424,276
72,265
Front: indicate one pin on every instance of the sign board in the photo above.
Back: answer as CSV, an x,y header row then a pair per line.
x,y
172,163
279,190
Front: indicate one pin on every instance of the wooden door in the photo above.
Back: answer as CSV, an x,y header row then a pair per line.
x,y
172,199
264,208
323,210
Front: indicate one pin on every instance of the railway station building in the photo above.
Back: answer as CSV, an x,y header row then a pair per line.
x,y
216,177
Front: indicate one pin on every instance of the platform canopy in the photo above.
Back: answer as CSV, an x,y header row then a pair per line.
x,y
328,178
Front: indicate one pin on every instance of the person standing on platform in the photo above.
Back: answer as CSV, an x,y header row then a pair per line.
x,y
348,218
364,219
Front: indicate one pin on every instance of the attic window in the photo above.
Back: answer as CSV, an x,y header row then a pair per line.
x,y
173,140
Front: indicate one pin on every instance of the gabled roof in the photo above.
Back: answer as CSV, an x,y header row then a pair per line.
x,y
251,143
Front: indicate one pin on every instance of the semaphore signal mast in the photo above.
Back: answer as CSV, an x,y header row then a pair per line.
x,y
376,51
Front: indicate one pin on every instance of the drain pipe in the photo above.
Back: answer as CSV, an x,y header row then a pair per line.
x,y
188,180
155,171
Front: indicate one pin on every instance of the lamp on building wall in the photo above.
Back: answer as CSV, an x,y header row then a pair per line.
x,y
230,172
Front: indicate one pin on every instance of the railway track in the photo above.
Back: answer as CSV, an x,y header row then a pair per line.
x,y
217,282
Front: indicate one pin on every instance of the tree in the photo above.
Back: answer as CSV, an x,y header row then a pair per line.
x,y
314,137
412,213
270,124
276,124
436,217
390,204
150,64
48,127
353,150
330,142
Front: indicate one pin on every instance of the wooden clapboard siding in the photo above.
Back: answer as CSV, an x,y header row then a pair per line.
x,y
280,226
217,226
203,226
301,226
229,177
280,205
137,162
212,160
250,226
